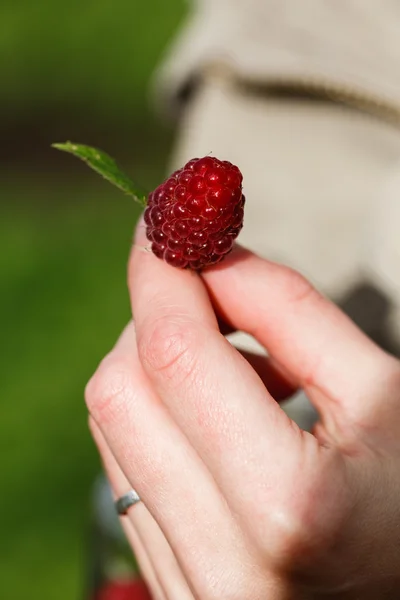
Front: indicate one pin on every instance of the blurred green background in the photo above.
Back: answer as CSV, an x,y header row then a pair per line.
x,y
78,70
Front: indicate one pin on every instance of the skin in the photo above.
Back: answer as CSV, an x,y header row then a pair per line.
x,y
238,502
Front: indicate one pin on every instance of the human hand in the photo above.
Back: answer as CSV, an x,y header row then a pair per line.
x,y
237,501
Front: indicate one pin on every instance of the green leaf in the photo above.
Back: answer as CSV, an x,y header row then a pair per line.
x,y
106,166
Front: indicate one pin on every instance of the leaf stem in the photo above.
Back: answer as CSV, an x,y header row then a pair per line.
x,y
106,166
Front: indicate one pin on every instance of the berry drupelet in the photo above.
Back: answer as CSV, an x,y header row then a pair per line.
x,y
193,218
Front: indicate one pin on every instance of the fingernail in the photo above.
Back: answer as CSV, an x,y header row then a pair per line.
x,y
140,232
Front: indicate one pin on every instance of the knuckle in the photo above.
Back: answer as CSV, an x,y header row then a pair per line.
x,y
107,392
288,537
296,529
168,349
284,538
296,287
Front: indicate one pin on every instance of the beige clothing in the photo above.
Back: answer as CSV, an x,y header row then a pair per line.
x,y
351,47
321,176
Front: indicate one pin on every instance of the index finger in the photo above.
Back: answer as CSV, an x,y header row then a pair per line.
x,y
213,394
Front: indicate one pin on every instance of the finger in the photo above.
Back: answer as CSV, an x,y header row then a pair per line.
x,y
146,565
159,462
152,550
303,331
210,390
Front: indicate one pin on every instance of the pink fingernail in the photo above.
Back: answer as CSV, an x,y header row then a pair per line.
x,y
140,233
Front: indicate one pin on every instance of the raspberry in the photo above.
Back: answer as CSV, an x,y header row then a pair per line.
x,y
194,217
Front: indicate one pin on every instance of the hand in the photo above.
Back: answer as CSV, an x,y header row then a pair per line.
x,y
238,503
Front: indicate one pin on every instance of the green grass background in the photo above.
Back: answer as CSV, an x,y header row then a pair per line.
x,y
75,70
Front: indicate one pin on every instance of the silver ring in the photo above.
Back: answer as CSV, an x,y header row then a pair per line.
x,y
126,501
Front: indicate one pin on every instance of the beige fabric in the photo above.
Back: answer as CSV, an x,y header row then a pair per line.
x,y
349,44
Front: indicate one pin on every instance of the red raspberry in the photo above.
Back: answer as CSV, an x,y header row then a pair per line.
x,y
195,215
